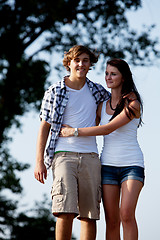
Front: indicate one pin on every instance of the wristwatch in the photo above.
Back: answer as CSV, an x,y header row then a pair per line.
x,y
76,132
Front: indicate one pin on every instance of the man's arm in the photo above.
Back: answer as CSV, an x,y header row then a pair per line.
x,y
98,113
40,171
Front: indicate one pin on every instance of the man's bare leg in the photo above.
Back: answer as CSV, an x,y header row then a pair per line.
x,y
88,229
64,226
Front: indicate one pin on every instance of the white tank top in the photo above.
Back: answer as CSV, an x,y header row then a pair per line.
x,y
79,112
121,148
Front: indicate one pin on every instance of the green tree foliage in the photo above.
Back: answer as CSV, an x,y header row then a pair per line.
x,y
55,26
9,181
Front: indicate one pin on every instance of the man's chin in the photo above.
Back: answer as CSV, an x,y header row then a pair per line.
x,y
82,73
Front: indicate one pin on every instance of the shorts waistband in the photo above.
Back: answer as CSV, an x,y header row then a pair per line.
x,y
78,154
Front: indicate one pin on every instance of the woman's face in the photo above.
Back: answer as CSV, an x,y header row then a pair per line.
x,y
113,77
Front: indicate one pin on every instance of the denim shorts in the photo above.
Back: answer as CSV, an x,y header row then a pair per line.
x,y
117,175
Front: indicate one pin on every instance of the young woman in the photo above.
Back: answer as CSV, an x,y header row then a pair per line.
x,y
121,157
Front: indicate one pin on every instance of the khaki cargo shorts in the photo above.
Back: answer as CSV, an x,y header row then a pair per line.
x,y
76,184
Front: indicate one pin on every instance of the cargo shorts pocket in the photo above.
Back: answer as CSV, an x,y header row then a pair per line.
x,y
57,192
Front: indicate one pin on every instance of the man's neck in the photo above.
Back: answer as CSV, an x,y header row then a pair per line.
x,y
75,83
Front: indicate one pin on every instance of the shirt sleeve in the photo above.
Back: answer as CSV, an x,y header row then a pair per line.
x,y
47,106
104,94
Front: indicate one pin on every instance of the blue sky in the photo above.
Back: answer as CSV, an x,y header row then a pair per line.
x,y
147,80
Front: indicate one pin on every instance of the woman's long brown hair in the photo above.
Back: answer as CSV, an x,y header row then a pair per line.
x,y
127,87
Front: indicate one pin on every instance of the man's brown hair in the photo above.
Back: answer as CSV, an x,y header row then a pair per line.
x,y
77,50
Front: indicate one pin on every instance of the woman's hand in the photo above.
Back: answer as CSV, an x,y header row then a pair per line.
x,y
67,131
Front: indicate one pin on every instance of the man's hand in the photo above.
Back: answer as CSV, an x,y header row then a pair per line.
x,y
40,172
131,96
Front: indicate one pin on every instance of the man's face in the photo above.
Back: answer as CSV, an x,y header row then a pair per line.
x,y
80,65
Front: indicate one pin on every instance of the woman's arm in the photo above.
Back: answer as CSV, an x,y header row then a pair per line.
x,y
119,121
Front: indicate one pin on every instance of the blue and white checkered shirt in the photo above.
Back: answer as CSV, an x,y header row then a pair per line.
x,y
53,106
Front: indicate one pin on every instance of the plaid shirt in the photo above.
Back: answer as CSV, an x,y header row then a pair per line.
x,y
53,106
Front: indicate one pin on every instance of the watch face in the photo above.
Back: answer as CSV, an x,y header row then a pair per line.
x,y
76,132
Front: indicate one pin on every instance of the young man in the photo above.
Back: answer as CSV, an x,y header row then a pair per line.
x,y
76,189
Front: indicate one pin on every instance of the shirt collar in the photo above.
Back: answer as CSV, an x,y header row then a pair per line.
x,y
88,81
63,85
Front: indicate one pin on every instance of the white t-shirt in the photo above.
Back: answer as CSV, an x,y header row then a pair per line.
x,y
79,112
121,147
